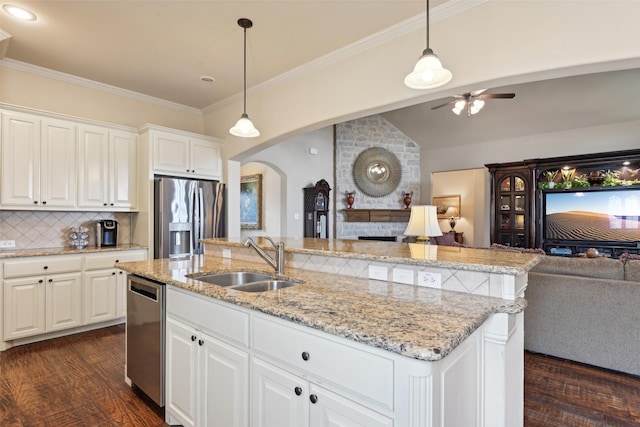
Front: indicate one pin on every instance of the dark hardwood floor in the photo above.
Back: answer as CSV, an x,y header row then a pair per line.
x,y
71,381
79,381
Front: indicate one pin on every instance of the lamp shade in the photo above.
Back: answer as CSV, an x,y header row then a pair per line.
x,y
428,72
244,128
423,222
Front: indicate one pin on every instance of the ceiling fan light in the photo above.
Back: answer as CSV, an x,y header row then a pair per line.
x,y
459,106
244,128
476,106
428,73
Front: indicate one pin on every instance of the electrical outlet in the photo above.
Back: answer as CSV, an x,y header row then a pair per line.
x,y
226,253
7,244
401,275
430,280
377,272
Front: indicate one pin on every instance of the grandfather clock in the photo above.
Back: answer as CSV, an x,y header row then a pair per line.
x,y
316,210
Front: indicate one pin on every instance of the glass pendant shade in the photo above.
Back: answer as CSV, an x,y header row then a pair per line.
x,y
428,72
244,128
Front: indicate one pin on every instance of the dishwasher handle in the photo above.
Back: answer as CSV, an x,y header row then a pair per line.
x,y
146,291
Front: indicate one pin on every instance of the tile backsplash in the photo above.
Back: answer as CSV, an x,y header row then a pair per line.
x,y
36,229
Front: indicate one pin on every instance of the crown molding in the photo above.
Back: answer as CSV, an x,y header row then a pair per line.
x,y
91,84
439,13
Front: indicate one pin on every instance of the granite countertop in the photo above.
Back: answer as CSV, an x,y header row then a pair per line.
x,y
416,322
460,258
19,253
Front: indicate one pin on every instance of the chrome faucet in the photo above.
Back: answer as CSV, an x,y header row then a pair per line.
x,y
278,262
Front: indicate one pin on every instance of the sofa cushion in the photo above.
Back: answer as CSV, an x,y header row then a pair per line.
x,y
599,268
447,239
632,270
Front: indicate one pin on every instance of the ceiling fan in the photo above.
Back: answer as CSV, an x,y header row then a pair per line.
x,y
473,101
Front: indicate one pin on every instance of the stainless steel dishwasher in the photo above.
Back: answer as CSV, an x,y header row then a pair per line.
x,y
145,336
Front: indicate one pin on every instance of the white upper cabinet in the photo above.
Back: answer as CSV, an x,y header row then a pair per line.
x,y
38,162
107,168
186,155
51,163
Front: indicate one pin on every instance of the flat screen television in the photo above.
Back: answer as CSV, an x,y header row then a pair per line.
x,y
609,215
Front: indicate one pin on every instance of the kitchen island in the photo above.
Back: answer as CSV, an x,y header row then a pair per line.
x,y
400,354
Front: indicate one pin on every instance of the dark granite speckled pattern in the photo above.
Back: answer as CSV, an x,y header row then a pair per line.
x,y
416,322
459,258
20,253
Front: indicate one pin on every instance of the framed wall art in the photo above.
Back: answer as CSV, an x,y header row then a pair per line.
x,y
443,204
251,202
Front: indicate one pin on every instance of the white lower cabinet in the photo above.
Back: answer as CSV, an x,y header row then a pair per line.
x,y
280,398
100,294
229,366
206,379
44,294
40,304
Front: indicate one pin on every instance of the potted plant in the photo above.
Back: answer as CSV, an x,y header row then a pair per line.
x,y
550,176
567,176
581,181
611,179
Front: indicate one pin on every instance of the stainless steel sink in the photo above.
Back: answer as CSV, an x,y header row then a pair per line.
x,y
265,285
233,278
246,281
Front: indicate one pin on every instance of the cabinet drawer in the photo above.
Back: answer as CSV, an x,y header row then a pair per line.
x,y
108,259
365,374
213,317
34,266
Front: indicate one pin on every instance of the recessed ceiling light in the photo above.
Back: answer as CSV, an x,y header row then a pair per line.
x,y
207,79
19,12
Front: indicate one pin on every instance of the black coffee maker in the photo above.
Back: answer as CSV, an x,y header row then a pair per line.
x,y
106,232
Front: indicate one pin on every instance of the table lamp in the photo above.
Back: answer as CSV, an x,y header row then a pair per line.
x,y
452,213
423,223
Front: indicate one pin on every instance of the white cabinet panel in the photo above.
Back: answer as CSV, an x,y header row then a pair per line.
x,y
278,397
100,287
63,301
20,160
181,390
331,410
38,162
107,168
58,171
186,155
24,307
93,159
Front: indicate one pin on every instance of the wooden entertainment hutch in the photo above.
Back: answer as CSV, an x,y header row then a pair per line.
x,y
518,190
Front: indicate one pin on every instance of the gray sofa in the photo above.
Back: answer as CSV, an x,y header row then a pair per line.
x,y
586,310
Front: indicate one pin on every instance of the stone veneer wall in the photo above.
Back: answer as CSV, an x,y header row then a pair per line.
x,y
44,229
352,138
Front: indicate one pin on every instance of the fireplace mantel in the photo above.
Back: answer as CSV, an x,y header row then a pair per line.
x,y
377,215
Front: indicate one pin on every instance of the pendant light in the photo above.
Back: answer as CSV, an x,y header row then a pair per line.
x,y
244,127
428,72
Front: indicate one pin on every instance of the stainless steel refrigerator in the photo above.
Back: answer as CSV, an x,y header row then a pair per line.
x,y
186,210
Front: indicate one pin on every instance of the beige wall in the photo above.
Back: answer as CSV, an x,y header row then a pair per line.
x,y
471,186
38,91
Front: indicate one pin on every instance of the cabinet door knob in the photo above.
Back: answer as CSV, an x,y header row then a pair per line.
x,y
298,391
111,204
46,267
40,281
200,342
50,280
35,202
44,202
120,272
305,355
113,273
193,337
313,398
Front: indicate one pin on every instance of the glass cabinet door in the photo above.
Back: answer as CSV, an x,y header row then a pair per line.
x,y
511,215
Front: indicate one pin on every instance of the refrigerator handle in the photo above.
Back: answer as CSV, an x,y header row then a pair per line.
x,y
192,212
202,218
